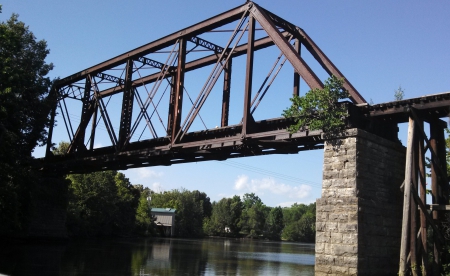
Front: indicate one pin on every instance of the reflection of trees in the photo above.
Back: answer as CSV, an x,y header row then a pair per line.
x,y
222,256
31,260
182,257
98,257
157,257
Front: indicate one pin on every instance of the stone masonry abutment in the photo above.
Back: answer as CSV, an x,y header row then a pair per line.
x,y
359,214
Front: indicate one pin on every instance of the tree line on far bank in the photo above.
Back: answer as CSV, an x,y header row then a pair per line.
x,y
107,204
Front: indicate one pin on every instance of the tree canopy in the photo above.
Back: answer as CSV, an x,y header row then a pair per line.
x,y
24,115
319,109
101,203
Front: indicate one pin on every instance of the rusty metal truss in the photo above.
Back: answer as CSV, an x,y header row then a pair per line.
x,y
148,115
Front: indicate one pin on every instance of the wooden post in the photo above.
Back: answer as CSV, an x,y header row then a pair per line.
x,y
435,194
413,208
423,198
406,200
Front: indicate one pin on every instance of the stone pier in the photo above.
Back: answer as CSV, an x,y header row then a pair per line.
x,y
359,215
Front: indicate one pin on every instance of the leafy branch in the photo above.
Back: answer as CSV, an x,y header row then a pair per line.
x,y
319,109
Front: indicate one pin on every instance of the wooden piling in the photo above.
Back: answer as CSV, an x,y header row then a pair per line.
x,y
406,200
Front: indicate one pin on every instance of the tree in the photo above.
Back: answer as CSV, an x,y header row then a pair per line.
x,y
225,217
101,203
191,209
24,115
253,215
24,111
300,222
144,219
274,223
319,109
399,94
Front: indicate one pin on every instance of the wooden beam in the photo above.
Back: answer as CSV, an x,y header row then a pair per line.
x,y
406,201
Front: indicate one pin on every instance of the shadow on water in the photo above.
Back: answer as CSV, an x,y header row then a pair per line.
x,y
158,257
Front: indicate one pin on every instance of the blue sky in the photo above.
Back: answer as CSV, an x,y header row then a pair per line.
x,y
377,45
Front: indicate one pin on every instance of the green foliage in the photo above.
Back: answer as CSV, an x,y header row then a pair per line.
x,y
274,224
399,94
24,112
144,219
61,149
225,217
101,203
191,209
253,216
319,109
300,223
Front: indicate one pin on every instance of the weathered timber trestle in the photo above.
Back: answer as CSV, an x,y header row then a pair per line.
x,y
138,109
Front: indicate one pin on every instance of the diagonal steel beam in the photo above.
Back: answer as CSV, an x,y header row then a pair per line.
x,y
199,63
199,28
297,62
331,69
280,22
316,52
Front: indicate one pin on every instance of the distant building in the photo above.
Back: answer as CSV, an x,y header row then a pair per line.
x,y
165,220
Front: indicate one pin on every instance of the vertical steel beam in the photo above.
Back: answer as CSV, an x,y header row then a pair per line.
x,y
85,108
171,105
86,113
249,77
296,92
93,128
226,93
127,106
176,97
54,102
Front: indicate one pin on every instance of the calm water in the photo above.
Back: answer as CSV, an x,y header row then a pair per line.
x,y
158,257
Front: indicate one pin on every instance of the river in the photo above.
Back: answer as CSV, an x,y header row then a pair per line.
x,y
211,256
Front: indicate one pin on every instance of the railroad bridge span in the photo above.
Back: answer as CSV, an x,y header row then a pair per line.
x,y
138,106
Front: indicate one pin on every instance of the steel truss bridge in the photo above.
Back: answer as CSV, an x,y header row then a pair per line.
x,y
134,110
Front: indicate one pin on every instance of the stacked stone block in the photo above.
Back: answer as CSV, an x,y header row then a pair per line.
x,y
359,215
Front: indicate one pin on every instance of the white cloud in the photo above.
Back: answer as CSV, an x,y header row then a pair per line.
x,y
290,203
241,182
144,173
157,188
287,204
260,186
98,145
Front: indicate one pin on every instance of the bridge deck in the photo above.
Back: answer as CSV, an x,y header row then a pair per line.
x,y
267,137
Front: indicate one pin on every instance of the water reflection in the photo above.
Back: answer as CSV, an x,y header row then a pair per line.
x,y
158,257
